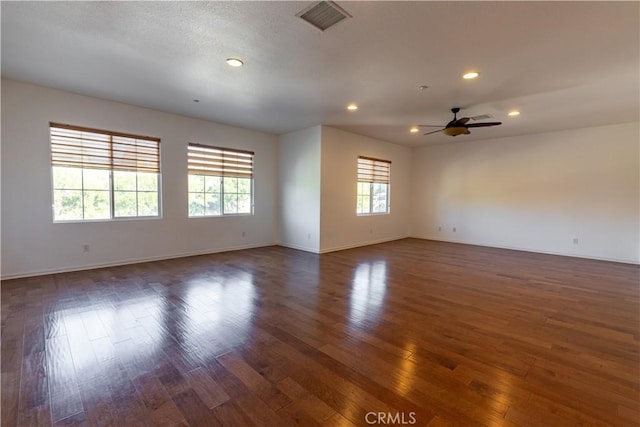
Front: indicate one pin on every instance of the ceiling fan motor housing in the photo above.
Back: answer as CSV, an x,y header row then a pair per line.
x,y
455,131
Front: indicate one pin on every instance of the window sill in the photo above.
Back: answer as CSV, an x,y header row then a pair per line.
x,y
220,216
84,221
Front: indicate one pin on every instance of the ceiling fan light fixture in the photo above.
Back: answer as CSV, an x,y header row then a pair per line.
x,y
352,107
234,62
514,113
470,75
414,130
455,131
460,126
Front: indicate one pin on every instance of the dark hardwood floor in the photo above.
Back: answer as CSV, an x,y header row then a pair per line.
x,y
412,331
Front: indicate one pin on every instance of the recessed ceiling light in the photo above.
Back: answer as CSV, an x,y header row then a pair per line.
x,y
352,107
414,130
235,62
196,100
470,75
423,87
514,113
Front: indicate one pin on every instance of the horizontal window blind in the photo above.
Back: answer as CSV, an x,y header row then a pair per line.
x,y
373,170
216,161
74,146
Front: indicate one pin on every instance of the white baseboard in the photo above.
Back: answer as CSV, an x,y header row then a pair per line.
x,y
357,245
516,248
298,248
131,261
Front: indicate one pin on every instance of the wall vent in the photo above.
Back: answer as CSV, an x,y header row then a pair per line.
x,y
323,15
482,117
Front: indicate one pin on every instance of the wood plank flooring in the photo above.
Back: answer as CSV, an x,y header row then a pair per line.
x,y
412,331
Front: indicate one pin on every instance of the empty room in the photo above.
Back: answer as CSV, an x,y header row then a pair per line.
x,y
302,213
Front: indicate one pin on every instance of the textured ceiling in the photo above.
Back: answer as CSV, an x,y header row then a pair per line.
x,y
563,64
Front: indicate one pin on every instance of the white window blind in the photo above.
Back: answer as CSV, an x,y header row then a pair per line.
x,y
74,146
373,170
216,161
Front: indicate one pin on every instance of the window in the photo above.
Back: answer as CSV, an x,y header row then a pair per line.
x,y
220,181
101,175
373,186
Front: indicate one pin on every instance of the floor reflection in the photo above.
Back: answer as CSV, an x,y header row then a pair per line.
x,y
221,312
199,319
101,332
405,372
369,286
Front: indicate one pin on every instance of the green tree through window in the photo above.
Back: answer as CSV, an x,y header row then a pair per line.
x,y
100,175
372,195
220,181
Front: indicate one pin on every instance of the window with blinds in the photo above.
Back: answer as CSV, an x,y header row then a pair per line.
x,y
99,174
220,181
373,183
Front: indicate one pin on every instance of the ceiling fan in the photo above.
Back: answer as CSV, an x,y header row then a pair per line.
x,y
459,126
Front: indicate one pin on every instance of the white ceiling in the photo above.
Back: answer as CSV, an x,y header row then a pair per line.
x,y
563,64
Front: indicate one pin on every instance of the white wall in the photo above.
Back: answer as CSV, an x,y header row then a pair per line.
x,y
340,226
535,192
299,189
32,243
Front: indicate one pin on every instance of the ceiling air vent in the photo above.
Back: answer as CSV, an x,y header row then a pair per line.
x,y
323,15
482,117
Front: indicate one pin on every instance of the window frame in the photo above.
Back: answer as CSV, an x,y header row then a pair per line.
x,y
224,163
374,172
75,160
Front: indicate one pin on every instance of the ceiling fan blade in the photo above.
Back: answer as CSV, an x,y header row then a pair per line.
x,y
462,121
430,126
435,131
481,125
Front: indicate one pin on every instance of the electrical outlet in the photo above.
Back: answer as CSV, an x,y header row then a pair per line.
x,y
440,228
244,234
454,229
85,248
576,241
